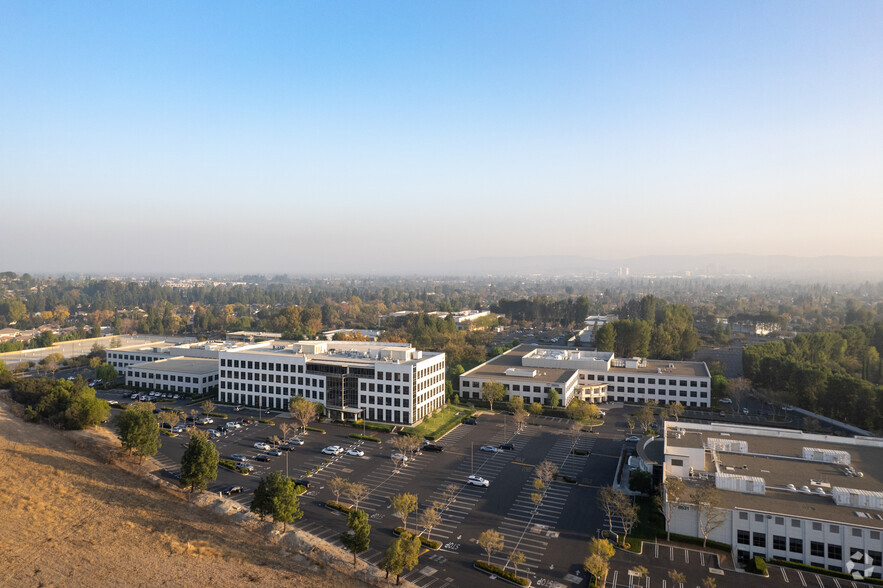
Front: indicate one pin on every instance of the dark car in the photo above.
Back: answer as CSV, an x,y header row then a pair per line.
x,y
433,447
286,448
507,446
232,490
470,421
262,457
165,426
221,428
304,483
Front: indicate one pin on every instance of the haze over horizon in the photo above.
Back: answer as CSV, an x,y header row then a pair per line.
x,y
404,137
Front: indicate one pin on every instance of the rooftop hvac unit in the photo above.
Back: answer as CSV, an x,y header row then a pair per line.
x,y
827,455
738,483
858,498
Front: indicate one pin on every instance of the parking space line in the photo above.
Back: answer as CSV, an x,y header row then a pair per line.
x,y
784,575
800,576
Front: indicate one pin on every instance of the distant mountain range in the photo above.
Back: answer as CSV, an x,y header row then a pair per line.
x,y
833,268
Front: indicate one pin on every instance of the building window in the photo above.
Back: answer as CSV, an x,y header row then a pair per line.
x,y
856,532
795,545
795,523
817,549
780,520
817,526
678,463
835,551
758,539
834,529
743,537
758,518
779,543
743,516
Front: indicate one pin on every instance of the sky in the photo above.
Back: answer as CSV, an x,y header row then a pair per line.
x,y
303,137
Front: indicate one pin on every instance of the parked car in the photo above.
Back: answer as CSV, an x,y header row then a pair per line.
x,y
726,401
238,457
433,447
507,446
179,429
242,465
490,448
398,456
295,441
356,452
286,448
205,421
275,452
262,445
304,483
232,490
222,428
233,425
165,426
333,450
262,457
787,408
633,439
213,433
470,421
477,481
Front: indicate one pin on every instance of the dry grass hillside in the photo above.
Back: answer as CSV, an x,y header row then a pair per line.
x,y
67,518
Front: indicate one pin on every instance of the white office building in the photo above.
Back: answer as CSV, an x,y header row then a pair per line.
x,y
184,375
382,382
533,371
787,495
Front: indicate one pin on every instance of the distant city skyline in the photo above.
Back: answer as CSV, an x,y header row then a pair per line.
x,y
403,137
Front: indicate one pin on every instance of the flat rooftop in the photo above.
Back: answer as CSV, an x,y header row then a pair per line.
x,y
695,369
342,352
776,455
182,365
496,368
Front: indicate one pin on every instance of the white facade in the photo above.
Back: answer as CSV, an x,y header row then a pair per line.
x,y
383,382
181,375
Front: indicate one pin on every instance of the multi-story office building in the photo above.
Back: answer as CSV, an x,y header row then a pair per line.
x,y
383,382
810,499
186,375
533,371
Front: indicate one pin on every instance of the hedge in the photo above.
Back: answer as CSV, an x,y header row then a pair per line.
x,y
506,575
337,506
266,422
758,566
430,543
375,427
365,438
316,430
215,414
823,571
698,541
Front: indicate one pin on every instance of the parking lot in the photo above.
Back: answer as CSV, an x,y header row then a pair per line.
x,y
553,535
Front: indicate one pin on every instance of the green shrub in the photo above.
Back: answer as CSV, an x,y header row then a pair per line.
x,y
491,568
215,414
316,430
430,543
266,422
698,541
337,506
365,438
377,427
227,463
758,566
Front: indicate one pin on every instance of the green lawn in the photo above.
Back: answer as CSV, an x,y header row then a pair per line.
x,y
441,422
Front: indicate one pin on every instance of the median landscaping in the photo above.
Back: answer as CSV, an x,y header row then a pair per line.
x,y
501,573
442,421
408,535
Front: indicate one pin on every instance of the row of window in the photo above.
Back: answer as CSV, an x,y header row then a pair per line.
x,y
653,392
390,401
639,380
171,387
816,525
278,390
261,365
394,376
170,378
390,388
279,379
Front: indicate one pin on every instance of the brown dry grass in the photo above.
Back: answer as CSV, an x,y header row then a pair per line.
x,y
69,518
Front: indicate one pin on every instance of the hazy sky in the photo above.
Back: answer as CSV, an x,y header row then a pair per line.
x,y
390,136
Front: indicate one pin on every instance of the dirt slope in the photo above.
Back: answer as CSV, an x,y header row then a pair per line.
x,y
69,519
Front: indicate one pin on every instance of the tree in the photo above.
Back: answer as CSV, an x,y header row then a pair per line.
x,y
139,430
517,558
94,362
674,491
170,417
303,411
630,422
207,406
676,410
554,397
356,492
491,541
403,505
286,504
535,408
677,577
546,471
491,392
393,559
710,505
628,516
607,498
358,538
285,429
262,502
520,419
516,403
51,362
107,373
644,417
410,553
450,493
199,465
337,485
709,582
598,561
605,337
429,518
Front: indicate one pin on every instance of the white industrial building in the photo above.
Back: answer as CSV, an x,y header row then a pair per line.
x,y
810,499
533,371
383,382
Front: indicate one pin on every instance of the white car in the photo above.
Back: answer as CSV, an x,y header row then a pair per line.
x,y
262,445
490,448
398,456
356,452
333,450
179,429
726,401
295,441
176,397
134,396
242,465
633,439
233,425
787,408
205,421
477,481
